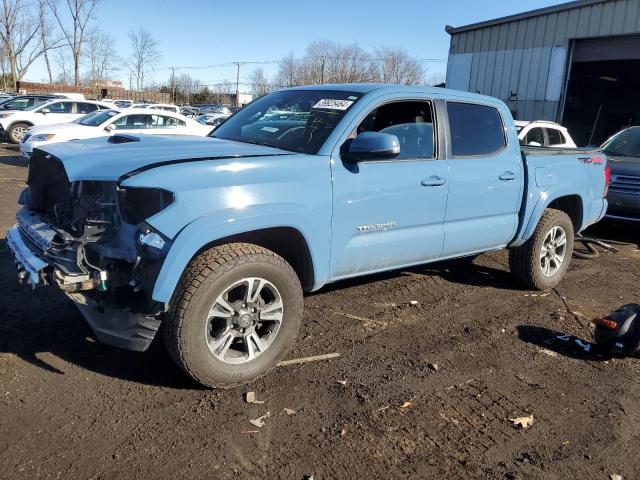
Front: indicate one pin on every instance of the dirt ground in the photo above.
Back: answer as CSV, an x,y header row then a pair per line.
x,y
420,390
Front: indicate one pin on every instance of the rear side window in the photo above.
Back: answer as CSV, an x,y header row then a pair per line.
x,y
86,107
555,137
475,129
536,136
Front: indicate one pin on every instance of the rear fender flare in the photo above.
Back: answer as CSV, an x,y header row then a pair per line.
x,y
545,198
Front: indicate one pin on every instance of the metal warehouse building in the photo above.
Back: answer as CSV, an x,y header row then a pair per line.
x,y
576,63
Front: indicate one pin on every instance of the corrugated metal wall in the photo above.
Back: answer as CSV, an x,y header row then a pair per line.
x,y
523,61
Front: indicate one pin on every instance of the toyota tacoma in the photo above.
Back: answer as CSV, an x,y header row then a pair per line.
x,y
212,241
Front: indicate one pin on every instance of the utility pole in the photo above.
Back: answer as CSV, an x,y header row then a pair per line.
x,y
173,85
322,70
238,84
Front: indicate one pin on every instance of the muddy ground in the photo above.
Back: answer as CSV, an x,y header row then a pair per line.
x,y
73,408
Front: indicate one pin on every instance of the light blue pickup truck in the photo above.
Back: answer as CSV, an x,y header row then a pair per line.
x,y
214,240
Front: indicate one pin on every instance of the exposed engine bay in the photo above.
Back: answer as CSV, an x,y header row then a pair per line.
x,y
93,236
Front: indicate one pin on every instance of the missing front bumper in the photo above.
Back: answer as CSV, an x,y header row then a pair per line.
x,y
117,327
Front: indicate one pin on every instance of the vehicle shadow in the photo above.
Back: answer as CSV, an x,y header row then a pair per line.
x,y
560,343
615,232
13,160
45,329
463,271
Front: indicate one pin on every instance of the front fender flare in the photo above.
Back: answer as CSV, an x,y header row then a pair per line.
x,y
210,228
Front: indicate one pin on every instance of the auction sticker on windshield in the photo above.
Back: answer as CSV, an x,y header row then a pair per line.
x,y
332,104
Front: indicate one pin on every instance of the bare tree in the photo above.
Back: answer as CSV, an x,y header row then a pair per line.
x,y
144,55
394,65
326,62
102,57
64,67
259,83
80,12
436,79
20,37
288,72
45,36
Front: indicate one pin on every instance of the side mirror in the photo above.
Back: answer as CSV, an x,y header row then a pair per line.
x,y
370,146
534,144
110,128
45,111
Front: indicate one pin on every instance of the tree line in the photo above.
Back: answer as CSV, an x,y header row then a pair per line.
x,y
74,50
63,33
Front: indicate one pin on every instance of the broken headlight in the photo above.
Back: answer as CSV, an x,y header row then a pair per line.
x,y
139,203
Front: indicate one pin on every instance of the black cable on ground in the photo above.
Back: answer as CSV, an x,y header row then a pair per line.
x,y
590,245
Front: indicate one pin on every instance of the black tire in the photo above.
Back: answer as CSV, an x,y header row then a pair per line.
x,y
525,261
206,277
14,132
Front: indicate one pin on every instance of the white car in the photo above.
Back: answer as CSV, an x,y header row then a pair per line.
x,y
14,123
158,106
107,122
541,133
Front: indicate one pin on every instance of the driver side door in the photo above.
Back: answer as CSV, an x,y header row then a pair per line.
x,y
390,213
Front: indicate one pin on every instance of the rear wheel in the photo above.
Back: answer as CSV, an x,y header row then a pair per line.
x,y
236,312
17,131
543,260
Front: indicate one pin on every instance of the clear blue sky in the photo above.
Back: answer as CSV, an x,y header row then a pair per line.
x,y
207,32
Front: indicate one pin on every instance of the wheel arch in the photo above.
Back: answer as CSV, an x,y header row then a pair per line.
x,y
570,203
287,240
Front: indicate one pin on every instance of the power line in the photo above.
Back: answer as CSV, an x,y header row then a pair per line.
x,y
272,62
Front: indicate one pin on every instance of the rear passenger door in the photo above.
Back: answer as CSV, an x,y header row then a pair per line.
x,y
486,180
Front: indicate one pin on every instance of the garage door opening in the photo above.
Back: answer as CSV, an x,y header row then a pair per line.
x,y
602,93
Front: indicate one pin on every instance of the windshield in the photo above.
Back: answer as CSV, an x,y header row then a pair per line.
x,y
97,118
293,120
624,144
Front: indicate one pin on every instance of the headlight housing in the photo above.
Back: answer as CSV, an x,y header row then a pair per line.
x,y
139,203
41,137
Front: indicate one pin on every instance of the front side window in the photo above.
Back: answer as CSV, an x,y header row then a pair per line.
x,y
293,120
59,107
133,122
535,136
411,122
555,137
475,129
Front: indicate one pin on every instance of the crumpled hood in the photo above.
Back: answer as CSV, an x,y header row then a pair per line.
x,y
97,159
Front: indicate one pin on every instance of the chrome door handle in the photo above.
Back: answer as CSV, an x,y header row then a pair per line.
x,y
433,181
506,176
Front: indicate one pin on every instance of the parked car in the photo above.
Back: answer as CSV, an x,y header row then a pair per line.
x,y
108,122
623,152
123,103
218,237
212,119
158,106
14,124
542,133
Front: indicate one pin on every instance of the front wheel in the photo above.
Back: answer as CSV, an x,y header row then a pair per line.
x,y
17,131
543,260
236,312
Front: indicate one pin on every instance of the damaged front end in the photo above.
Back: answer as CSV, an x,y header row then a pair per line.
x,y
91,240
